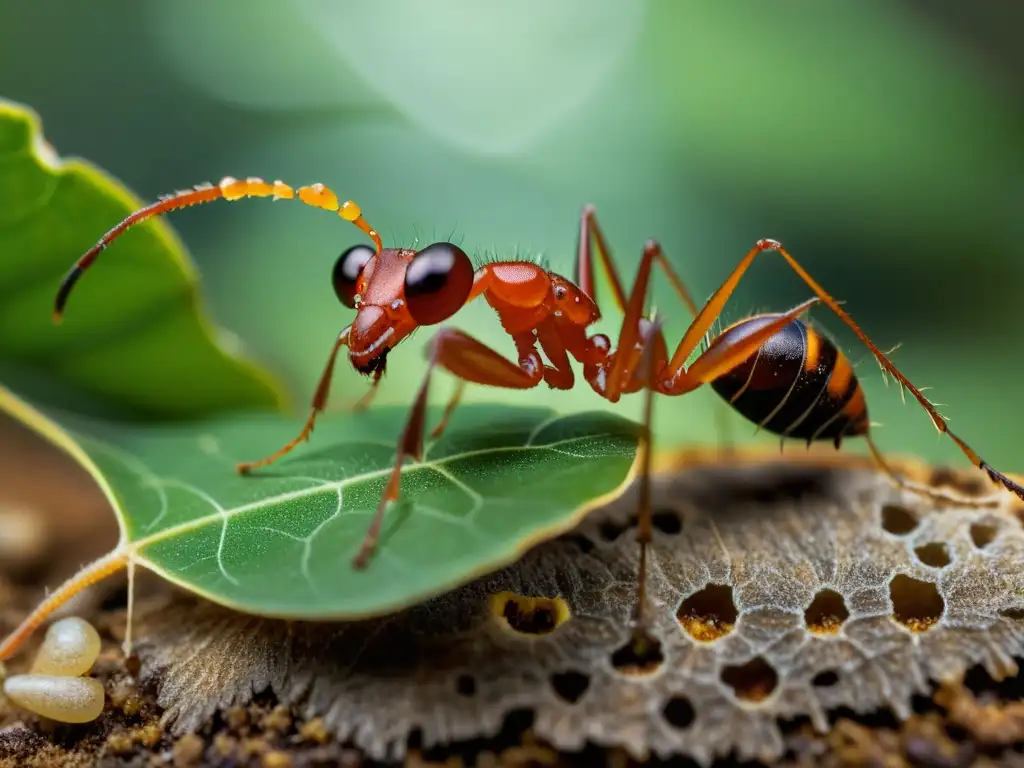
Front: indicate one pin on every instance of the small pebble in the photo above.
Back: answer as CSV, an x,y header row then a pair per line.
x,y
120,744
276,759
149,735
69,648
236,718
224,745
187,751
278,719
64,699
315,731
23,539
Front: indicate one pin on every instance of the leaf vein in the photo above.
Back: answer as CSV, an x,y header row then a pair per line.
x,y
221,513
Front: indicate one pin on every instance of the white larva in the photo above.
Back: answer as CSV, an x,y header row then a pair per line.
x,y
64,699
70,648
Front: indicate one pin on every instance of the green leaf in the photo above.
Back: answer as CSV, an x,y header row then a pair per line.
x,y
280,541
135,333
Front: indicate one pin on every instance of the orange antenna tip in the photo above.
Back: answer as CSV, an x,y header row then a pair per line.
x,y
349,211
233,189
318,196
282,191
257,187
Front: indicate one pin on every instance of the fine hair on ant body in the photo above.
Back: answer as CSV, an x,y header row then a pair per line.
x,y
774,369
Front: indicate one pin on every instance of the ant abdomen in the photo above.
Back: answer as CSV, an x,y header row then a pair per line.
x,y
798,384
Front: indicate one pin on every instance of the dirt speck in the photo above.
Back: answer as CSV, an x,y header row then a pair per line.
x,y
314,731
279,720
276,759
993,723
187,751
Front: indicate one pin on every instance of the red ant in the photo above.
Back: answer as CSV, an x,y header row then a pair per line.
x,y
774,369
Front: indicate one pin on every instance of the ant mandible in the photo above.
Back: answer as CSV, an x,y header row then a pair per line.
x,y
775,369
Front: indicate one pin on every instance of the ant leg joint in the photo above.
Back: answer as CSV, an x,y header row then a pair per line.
x,y
767,244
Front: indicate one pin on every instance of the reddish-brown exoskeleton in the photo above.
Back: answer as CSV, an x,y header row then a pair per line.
x,y
773,368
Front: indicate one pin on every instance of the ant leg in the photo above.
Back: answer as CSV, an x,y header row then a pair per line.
x,y
364,401
723,357
460,387
645,341
629,349
558,375
590,232
714,306
471,361
319,402
645,517
924,490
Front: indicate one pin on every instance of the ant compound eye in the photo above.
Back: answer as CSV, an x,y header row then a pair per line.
x,y
347,269
437,282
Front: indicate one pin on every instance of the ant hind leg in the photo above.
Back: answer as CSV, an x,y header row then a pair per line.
x,y
948,497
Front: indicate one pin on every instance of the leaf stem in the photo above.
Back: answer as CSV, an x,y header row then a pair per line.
x,y
86,577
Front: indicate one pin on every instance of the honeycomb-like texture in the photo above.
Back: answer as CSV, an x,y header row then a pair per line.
x,y
779,591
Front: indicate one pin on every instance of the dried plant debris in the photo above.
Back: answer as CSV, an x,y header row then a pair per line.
x,y
782,592
805,613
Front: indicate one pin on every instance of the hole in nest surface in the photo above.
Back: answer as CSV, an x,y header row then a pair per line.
x,y
415,739
581,542
465,685
971,486
982,535
641,655
667,521
825,679
1013,613
570,686
933,554
826,613
979,682
678,712
916,604
708,614
529,615
898,520
753,681
610,531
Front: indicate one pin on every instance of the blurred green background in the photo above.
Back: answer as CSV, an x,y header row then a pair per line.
x,y
882,142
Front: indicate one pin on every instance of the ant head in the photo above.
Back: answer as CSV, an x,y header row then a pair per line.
x,y
394,292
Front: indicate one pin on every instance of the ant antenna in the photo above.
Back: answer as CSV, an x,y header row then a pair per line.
x,y
230,189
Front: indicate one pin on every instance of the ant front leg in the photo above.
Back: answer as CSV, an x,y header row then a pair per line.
x,y
470,361
319,403
364,402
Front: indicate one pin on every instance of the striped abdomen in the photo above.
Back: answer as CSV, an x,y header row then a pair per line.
x,y
797,385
